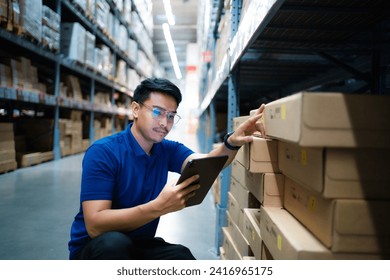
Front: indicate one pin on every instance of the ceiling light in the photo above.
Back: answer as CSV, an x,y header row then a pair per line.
x,y
168,12
171,49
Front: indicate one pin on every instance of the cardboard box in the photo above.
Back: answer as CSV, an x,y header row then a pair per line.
x,y
244,197
265,253
5,76
8,165
261,156
73,37
243,176
7,155
338,173
234,210
7,145
237,121
6,136
238,238
286,238
252,231
6,127
267,188
242,154
222,253
342,225
230,250
330,120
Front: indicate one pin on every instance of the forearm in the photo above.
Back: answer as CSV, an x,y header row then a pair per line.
x,y
125,220
223,150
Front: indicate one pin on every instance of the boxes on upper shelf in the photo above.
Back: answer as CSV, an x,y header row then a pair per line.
x,y
342,225
330,120
73,36
338,172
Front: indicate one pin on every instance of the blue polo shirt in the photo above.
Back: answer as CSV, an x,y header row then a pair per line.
x,y
116,168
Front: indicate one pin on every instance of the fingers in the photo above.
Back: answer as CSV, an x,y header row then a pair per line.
x,y
188,181
190,194
260,125
262,108
255,124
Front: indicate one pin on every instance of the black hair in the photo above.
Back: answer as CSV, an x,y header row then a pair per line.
x,y
160,85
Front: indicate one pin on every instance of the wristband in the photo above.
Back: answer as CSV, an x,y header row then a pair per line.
x,y
226,143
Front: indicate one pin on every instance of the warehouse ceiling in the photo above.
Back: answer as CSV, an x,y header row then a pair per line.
x,y
323,45
183,32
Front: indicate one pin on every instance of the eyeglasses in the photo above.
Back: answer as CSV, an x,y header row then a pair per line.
x,y
159,113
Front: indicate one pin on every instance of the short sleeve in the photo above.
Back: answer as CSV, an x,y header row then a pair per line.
x,y
178,153
98,174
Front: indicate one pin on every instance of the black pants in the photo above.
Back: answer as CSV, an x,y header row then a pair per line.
x,y
118,246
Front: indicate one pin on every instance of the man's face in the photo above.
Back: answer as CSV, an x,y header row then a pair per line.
x,y
155,116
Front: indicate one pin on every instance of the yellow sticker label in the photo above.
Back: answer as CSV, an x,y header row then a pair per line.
x,y
283,111
312,203
253,235
279,241
303,157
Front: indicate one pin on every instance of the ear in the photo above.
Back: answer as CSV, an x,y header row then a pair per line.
x,y
135,108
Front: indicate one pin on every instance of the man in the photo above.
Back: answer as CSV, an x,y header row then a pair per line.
x,y
124,187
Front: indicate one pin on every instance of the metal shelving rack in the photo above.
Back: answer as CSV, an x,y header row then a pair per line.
x,y
284,46
58,64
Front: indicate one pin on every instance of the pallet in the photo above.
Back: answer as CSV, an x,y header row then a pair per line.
x,y
31,159
47,156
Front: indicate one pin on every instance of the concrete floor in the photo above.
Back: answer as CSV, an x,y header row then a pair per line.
x,y
38,204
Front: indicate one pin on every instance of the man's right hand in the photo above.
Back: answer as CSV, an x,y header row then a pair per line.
x,y
174,197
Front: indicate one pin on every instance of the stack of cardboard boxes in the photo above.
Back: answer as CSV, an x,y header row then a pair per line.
x,y
255,181
7,148
50,28
330,195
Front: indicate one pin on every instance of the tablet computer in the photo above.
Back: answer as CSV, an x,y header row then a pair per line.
x,y
208,169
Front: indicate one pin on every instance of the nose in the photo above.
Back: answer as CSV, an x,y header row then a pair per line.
x,y
163,120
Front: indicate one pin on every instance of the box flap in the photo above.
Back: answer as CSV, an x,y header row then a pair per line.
x,y
276,183
346,111
304,165
264,150
362,217
358,165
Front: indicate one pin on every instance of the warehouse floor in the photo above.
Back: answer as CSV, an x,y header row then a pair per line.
x,y
38,203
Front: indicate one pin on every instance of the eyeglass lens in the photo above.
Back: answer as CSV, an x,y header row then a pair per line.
x,y
159,113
